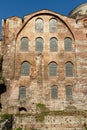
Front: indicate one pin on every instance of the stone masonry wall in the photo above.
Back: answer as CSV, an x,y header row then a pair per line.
x,y
38,83
50,122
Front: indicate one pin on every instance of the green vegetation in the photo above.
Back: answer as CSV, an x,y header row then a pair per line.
x,y
42,111
2,80
85,126
41,107
19,128
33,129
5,116
1,58
40,116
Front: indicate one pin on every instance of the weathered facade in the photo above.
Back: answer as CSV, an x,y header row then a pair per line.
x,y
46,54
44,61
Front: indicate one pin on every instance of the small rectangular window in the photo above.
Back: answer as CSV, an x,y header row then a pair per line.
x,y
54,92
68,92
22,92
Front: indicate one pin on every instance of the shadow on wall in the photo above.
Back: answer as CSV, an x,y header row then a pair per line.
x,y
2,90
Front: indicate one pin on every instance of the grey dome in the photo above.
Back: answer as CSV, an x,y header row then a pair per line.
x,y
80,10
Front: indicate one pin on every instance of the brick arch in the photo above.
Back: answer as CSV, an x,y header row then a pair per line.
x,y
45,13
69,62
52,62
25,61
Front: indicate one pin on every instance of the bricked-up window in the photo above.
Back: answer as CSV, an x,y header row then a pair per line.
x,y
69,92
68,44
39,44
53,25
25,68
54,92
22,92
24,44
39,25
53,44
69,69
52,69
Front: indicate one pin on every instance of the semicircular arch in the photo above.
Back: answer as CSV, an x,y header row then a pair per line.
x,y
50,13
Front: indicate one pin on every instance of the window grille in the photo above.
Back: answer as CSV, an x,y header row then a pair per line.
x,y
54,92
25,69
52,69
39,25
69,69
69,92
24,44
39,44
53,25
53,44
68,44
22,92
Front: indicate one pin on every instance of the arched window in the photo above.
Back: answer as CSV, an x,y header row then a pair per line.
x,y
69,92
22,92
68,44
52,69
69,69
53,25
39,25
24,44
22,109
39,44
53,44
54,92
25,68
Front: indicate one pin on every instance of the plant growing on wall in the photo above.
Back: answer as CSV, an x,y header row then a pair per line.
x,y
41,107
19,128
5,116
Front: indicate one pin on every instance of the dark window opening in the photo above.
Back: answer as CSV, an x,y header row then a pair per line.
x,y
22,109
2,88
